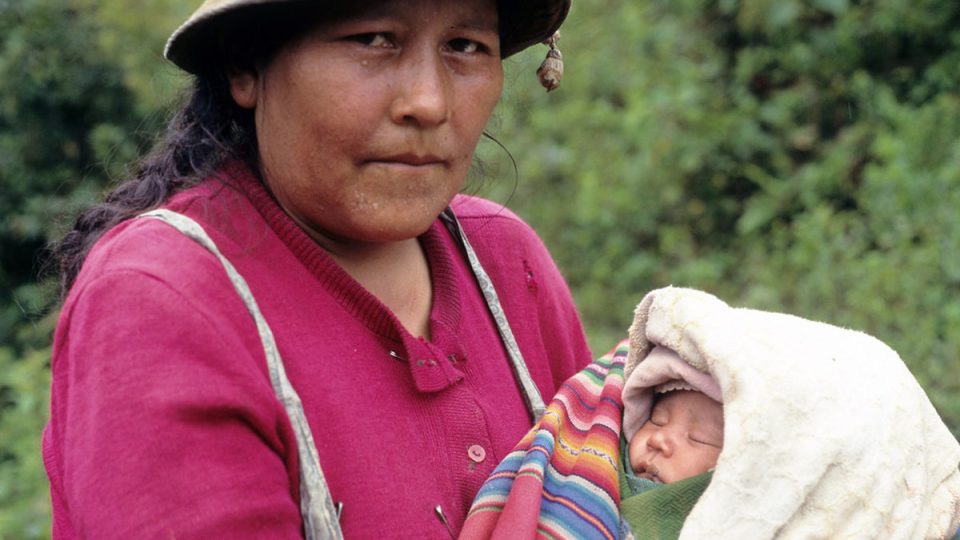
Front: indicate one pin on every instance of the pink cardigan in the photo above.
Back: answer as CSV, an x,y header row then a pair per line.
x,y
163,421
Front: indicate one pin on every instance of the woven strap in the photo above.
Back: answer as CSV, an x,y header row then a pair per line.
x,y
530,393
316,505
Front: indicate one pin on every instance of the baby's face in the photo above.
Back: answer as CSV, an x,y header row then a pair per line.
x,y
682,438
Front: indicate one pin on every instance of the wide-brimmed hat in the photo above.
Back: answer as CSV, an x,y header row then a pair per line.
x,y
522,23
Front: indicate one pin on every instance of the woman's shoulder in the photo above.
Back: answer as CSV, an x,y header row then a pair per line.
x,y
489,220
531,288
143,254
470,207
145,277
142,245
154,249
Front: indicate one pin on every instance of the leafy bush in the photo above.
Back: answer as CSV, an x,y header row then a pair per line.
x,y
799,156
70,117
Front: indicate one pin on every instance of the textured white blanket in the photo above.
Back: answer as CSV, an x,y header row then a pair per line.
x,y
827,434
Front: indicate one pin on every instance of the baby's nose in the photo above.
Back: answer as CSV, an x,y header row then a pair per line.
x,y
662,442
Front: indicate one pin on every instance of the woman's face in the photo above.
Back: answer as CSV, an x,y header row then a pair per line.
x,y
367,125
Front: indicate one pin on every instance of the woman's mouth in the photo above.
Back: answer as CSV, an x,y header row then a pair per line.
x,y
409,159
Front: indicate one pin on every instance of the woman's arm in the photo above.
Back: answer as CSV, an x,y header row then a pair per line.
x,y
163,419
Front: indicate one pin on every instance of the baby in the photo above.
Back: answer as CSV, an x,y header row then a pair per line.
x,y
682,438
672,419
673,436
576,475
572,476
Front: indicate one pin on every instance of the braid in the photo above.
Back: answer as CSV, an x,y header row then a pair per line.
x,y
208,130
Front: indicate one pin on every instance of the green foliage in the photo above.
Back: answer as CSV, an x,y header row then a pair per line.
x,y
800,156
794,155
63,112
75,107
24,498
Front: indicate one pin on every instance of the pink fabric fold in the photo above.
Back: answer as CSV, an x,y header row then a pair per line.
x,y
661,365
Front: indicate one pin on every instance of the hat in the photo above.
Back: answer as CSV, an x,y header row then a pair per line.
x,y
522,23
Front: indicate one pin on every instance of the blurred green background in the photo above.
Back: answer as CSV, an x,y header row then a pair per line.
x,y
793,155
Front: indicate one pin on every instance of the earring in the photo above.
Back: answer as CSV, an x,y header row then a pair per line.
x,y
550,71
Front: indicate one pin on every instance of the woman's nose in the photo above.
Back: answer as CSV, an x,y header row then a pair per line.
x,y
422,93
662,442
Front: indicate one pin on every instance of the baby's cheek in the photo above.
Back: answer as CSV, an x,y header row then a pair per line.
x,y
710,459
697,460
636,448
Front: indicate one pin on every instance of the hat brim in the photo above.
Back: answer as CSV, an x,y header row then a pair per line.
x,y
522,24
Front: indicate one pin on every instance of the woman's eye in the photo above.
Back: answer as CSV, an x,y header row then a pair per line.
x,y
466,46
372,39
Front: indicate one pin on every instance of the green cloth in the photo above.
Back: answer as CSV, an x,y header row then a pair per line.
x,y
656,511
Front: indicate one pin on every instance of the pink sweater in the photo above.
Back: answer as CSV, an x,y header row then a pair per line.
x,y
163,421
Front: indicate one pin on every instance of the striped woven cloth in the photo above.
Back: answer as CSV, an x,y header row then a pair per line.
x,y
561,480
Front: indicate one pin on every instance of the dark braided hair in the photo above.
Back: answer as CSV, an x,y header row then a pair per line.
x,y
209,130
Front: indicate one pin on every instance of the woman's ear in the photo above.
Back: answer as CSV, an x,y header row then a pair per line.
x,y
244,86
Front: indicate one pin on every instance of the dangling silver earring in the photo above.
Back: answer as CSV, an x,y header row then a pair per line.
x,y
550,71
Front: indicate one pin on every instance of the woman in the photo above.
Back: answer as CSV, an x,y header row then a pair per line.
x,y
318,151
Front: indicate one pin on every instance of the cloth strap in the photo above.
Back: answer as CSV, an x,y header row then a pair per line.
x,y
320,517
531,395
316,505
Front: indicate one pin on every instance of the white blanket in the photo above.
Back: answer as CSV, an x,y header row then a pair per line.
x,y
827,434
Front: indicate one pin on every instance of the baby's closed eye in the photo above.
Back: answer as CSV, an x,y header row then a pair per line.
x,y
705,438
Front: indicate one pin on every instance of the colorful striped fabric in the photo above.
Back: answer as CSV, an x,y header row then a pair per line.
x,y
561,480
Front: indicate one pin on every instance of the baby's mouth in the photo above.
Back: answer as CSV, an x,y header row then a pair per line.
x,y
651,473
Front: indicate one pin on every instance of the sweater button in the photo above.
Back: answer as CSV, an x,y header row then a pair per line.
x,y
476,453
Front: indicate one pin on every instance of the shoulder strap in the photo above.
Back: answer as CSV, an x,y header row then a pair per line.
x,y
316,504
530,393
